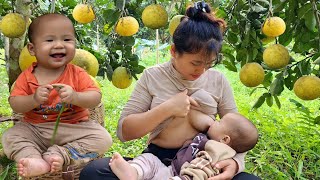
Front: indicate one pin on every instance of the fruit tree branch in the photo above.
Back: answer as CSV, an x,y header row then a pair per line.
x,y
315,10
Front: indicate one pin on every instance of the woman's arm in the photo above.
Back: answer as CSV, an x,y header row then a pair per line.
x,y
138,118
137,125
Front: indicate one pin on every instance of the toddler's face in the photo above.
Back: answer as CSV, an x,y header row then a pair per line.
x,y
53,42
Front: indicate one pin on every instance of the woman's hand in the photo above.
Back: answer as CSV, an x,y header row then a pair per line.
x,y
180,104
228,168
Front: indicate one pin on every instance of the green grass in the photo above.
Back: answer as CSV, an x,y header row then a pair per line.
x,y
287,149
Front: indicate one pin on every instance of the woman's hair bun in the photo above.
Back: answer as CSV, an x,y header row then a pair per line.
x,y
198,10
202,6
201,11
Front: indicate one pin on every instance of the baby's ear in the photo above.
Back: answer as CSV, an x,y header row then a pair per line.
x,y
226,139
30,47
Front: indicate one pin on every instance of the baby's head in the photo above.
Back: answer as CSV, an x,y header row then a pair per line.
x,y
52,40
236,131
53,20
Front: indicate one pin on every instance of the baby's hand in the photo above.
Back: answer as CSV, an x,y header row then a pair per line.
x,y
42,93
66,92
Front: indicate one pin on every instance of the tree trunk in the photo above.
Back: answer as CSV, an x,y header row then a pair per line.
x,y
16,44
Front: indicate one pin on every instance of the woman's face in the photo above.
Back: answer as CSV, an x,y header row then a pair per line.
x,y
191,66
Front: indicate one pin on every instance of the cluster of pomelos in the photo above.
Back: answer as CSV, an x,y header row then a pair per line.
x,y
154,16
275,57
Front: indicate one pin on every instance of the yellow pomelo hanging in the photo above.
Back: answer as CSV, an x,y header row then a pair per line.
x,y
13,25
307,87
121,78
273,27
83,13
251,74
25,59
276,56
127,26
174,22
86,61
154,16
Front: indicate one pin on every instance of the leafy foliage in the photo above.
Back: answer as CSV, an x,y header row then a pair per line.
x,y
244,40
243,37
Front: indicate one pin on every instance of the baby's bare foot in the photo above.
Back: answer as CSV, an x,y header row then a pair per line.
x,y
28,167
55,162
122,169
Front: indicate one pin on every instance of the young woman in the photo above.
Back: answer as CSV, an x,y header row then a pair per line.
x,y
163,92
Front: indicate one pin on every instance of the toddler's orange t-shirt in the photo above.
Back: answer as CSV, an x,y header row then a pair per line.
x,y
74,76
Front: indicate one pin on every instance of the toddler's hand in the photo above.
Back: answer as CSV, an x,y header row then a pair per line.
x,y
66,92
42,93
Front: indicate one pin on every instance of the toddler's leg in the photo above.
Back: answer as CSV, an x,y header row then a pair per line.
x,y
122,169
55,162
80,143
22,143
29,167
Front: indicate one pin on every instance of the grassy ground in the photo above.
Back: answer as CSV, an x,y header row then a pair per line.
x,y
288,148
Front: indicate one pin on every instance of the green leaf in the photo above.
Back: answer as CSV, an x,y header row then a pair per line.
x,y
232,37
276,87
127,40
316,59
242,55
253,90
317,120
289,81
138,69
279,7
109,72
220,13
285,38
267,79
300,167
230,66
303,10
300,47
260,101
4,173
277,101
310,21
269,100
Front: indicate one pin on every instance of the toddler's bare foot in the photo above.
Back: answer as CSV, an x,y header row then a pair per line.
x,y
55,162
122,169
28,167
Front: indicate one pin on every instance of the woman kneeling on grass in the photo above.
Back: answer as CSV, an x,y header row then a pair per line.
x,y
163,93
